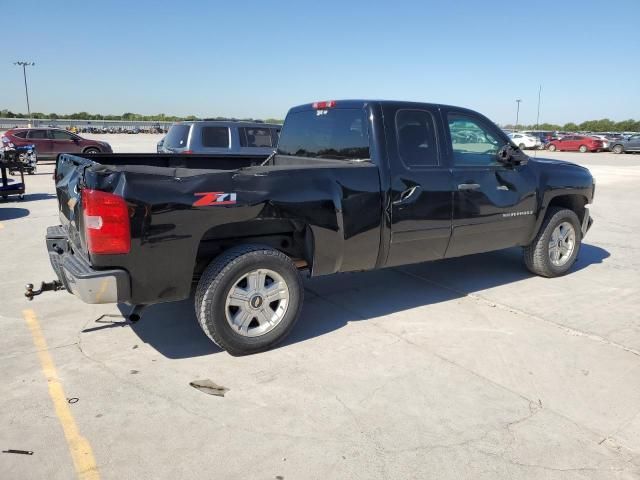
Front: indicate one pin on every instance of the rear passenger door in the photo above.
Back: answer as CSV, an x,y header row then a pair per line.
x,y
39,137
420,185
493,204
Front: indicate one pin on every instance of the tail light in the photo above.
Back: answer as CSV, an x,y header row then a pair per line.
x,y
106,223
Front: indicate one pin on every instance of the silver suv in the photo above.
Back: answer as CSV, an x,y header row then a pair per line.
x,y
227,137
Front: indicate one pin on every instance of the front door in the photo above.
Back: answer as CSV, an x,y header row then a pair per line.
x,y
493,204
420,210
64,142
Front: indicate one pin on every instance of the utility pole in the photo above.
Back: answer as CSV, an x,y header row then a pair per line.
x,y
538,116
24,66
517,113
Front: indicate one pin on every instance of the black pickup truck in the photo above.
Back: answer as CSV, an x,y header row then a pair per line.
x,y
353,185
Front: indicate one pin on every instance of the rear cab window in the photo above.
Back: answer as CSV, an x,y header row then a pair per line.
x,y
178,136
334,134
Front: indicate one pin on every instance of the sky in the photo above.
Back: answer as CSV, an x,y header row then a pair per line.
x,y
257,59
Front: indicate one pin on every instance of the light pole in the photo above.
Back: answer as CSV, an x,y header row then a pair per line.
x,y
517,113
24,66
538,116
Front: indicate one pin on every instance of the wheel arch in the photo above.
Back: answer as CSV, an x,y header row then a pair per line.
x,y
575,202
294,239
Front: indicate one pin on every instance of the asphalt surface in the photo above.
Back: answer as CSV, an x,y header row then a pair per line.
x,y
464,368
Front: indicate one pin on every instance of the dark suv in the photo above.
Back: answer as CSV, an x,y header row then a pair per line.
x,y
50,142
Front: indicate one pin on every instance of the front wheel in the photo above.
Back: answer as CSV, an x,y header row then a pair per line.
x,y
91,150
249,299
555,248
552,148
618,149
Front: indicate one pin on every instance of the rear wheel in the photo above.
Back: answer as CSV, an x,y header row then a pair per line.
x,y
552,148
618,149
555,248
583,149
249,299
91,150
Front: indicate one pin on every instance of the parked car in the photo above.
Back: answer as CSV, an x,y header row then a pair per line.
x,y
605,140
578,143
346,191
50,142
631,144
228,137
525,141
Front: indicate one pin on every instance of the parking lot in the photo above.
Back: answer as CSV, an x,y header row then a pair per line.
x,y
462,368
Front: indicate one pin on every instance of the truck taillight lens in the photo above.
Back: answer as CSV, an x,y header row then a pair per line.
x,y
106,223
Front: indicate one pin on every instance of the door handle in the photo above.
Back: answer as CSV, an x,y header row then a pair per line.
x,y
469,186
408,195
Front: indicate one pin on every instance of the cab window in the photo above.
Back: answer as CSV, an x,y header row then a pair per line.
x,y
415,131
472,143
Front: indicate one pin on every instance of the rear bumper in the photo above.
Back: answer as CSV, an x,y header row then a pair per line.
x,y
79,278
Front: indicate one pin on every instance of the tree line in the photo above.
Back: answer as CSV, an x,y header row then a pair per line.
x,y
160,117
603,125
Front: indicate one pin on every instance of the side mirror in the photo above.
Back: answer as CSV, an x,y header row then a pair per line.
x,y
510,156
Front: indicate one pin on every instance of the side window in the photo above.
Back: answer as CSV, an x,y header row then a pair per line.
x,y
22,134
60,135
37,134
415,130
255,137
215,137
473,144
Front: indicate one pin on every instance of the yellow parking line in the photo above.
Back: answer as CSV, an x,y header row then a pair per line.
x,y
79,447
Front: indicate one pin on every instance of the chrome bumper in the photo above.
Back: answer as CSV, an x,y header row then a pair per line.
x,y
79,278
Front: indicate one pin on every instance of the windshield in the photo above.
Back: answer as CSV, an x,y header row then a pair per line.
x,y
334,133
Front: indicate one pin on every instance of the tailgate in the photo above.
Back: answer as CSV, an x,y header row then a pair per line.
x,y
69,176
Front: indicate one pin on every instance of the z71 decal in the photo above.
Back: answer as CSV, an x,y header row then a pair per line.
x,y
209,199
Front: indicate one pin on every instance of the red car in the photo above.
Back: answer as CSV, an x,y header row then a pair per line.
x,y
50,142
578,143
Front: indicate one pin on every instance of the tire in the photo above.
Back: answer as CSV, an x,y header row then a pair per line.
x,y
537,255
583,149
552,148
91,150
225,275
618,149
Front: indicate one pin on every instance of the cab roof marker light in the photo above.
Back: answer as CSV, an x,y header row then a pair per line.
x,y
324,105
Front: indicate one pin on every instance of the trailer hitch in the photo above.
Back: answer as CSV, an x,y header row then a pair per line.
x,y
52,286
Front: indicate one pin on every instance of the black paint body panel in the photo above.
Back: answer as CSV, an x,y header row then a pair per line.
x,y
347,214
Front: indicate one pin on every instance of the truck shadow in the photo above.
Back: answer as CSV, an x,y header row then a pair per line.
x,y
334,301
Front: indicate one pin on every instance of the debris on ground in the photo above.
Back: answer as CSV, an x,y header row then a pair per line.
x,y
19,452
208,387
